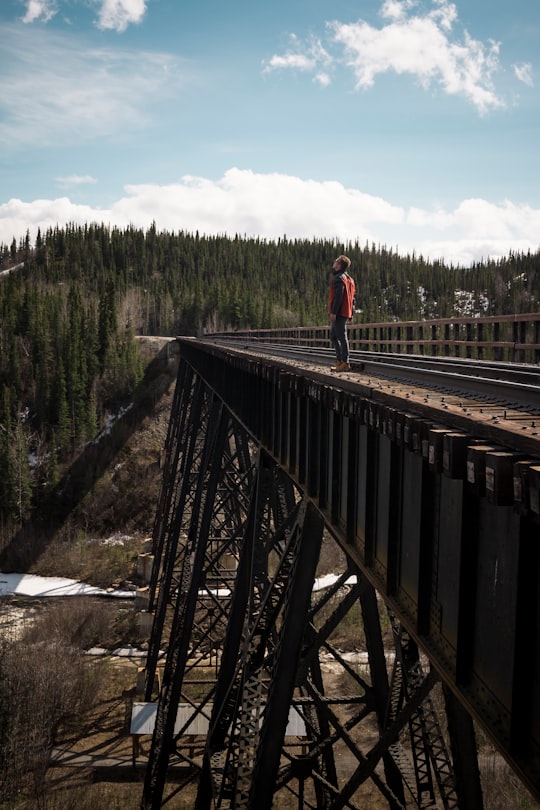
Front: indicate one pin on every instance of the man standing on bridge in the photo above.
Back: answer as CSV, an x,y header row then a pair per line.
x,y
340,309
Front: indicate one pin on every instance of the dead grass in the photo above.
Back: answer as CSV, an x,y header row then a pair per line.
x,y
102,732
501,787
101,562
85,622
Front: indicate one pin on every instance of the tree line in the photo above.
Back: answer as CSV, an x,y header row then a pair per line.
x,y
75,300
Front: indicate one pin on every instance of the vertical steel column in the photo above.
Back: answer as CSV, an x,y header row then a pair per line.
x,y
426,739
527,655
269,582
215,516
464,753
186,594
173,448
285,657
379,681
169,545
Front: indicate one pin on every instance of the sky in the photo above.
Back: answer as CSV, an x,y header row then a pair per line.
x,y
409,124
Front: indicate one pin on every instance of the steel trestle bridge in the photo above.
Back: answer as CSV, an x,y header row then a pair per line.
x,y
276,477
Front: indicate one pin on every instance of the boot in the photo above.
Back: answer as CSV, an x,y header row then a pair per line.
x,y
340,366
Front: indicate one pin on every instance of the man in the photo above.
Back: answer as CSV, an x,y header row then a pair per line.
x,y
340,309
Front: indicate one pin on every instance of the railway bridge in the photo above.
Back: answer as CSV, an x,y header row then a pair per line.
x,y
345,582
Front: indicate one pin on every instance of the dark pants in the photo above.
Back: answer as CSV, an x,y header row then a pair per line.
x,y
339,339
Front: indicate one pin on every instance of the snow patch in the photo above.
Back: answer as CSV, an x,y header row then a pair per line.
x,y
33,585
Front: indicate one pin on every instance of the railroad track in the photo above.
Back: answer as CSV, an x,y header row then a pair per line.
x,y
517,386
501,399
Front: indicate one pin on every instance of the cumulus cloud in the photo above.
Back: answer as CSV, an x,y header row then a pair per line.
x,y
418,43
271,206
396,9
43,10
18,217
56,91
116,15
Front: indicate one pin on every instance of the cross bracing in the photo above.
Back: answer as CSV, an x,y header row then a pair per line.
x,y
243,640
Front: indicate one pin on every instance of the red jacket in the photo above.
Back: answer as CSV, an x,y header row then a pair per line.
x,y
341,296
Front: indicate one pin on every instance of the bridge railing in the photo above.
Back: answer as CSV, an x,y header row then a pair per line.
x,y
512,338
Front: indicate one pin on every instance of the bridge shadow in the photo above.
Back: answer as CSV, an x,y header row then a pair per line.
x,y
33,537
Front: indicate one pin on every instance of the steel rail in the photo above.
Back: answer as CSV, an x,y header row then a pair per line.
x,y
514,385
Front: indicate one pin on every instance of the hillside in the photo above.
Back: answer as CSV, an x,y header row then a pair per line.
x,y
110,488
124,498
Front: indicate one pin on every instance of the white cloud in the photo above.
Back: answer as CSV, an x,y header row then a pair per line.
x,y
421,45
56,91
113,15
300,57
39,10
298,61
18,217
323,79
75,180
273,205
118,14
524,73
396,9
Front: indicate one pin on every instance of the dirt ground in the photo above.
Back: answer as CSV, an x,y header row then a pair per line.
x,y
95,769
98,768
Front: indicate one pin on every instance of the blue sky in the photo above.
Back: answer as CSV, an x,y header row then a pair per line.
x,y
409,123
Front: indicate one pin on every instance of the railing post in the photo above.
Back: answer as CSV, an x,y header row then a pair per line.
x,y
497,351
434,347
514,341
468,338
458,329
522,331
479,339
447,340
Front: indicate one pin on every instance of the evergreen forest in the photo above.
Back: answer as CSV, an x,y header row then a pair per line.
x,y
72,303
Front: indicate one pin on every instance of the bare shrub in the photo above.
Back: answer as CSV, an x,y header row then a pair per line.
x,y
43,688
331,560
81,623
99,563
125,629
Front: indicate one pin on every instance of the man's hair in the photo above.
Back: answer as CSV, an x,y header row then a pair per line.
x,y
344,261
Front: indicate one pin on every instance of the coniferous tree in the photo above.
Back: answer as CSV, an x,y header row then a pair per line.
x,y
21,471
61,423
7,475
53,471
